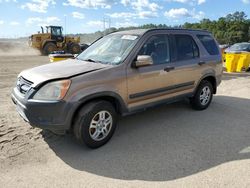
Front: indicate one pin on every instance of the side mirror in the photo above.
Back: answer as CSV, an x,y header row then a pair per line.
x,y
143,60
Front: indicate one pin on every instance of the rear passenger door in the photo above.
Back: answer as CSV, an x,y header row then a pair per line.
x,y
185,55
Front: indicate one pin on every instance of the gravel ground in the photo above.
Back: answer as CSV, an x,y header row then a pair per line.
x,y
167,146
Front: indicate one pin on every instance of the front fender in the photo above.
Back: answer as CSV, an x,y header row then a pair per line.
x,y
104,94
46,41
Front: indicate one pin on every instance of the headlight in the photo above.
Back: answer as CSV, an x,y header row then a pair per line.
x,y
53,91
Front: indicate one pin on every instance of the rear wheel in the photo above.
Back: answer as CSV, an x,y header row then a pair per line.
x,y
95,123
49,48
84,47
203,96
74,48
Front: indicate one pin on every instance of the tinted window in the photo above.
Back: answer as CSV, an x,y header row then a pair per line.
x,y
186,47
209,43
158,48
56,31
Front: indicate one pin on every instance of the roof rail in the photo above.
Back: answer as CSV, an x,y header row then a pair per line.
x,y
179,29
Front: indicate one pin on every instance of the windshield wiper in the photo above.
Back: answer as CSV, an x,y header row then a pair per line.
x,y
90,60
94,61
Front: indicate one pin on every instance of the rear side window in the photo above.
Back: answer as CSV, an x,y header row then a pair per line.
x,y
209,43
186,47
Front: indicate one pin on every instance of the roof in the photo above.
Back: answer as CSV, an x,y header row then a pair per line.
x,y
143,31
53,26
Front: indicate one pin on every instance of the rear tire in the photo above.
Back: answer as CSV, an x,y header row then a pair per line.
x,y
95,123
49,48
84,47
74,48
203,96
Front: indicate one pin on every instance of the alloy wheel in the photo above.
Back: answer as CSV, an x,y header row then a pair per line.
x,y
205,95
100,125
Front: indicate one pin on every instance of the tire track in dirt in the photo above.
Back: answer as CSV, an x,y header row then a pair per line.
x,y
18,140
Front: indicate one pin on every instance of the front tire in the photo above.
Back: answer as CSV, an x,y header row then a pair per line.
x,y
203,96
95,123
49,48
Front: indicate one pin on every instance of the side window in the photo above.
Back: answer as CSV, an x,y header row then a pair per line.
x,y
158,48
56,31
209,43
186,47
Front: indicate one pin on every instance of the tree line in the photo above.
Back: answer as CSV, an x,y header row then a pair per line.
x,y
230,29
227,30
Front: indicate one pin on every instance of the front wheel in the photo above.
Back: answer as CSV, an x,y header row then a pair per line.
x,y
49,48
95,123
203,96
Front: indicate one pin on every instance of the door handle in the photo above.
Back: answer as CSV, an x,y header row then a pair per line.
x,y
168,69
201,63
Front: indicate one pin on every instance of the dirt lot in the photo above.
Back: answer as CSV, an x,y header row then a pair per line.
x,y
168,146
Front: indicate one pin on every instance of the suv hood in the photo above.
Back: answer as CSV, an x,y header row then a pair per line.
x,y
63,69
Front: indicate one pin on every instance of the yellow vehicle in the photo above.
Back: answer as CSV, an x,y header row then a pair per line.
x,y
53,40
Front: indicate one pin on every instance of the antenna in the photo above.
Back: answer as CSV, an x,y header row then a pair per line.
x,y
65,24
108,22
104,24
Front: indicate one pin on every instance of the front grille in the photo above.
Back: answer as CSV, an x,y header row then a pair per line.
x,y
23,85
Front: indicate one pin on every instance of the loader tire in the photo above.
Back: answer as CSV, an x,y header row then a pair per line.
x,y
74,48
49,48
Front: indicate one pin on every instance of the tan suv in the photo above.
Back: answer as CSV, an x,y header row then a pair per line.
x,y
119,74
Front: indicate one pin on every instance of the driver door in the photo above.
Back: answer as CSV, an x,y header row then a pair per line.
x,y
151,83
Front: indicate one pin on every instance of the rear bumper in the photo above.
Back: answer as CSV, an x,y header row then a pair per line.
x,y
51,115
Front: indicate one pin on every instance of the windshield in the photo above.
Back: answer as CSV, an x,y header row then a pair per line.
x,y
240,47
111,49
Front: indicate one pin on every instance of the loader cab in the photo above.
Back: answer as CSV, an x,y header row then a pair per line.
x,y
56,33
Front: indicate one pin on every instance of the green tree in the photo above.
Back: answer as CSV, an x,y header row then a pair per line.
x,y
230,29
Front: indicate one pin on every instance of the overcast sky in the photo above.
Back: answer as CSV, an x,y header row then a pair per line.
x,y
23,17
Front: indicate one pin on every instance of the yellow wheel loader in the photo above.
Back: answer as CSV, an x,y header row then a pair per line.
x,y
53,40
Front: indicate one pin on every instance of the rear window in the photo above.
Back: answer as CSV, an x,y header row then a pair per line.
x,y
209,43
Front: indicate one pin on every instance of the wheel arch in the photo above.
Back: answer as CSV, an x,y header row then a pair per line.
x,y
111,97
212,79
